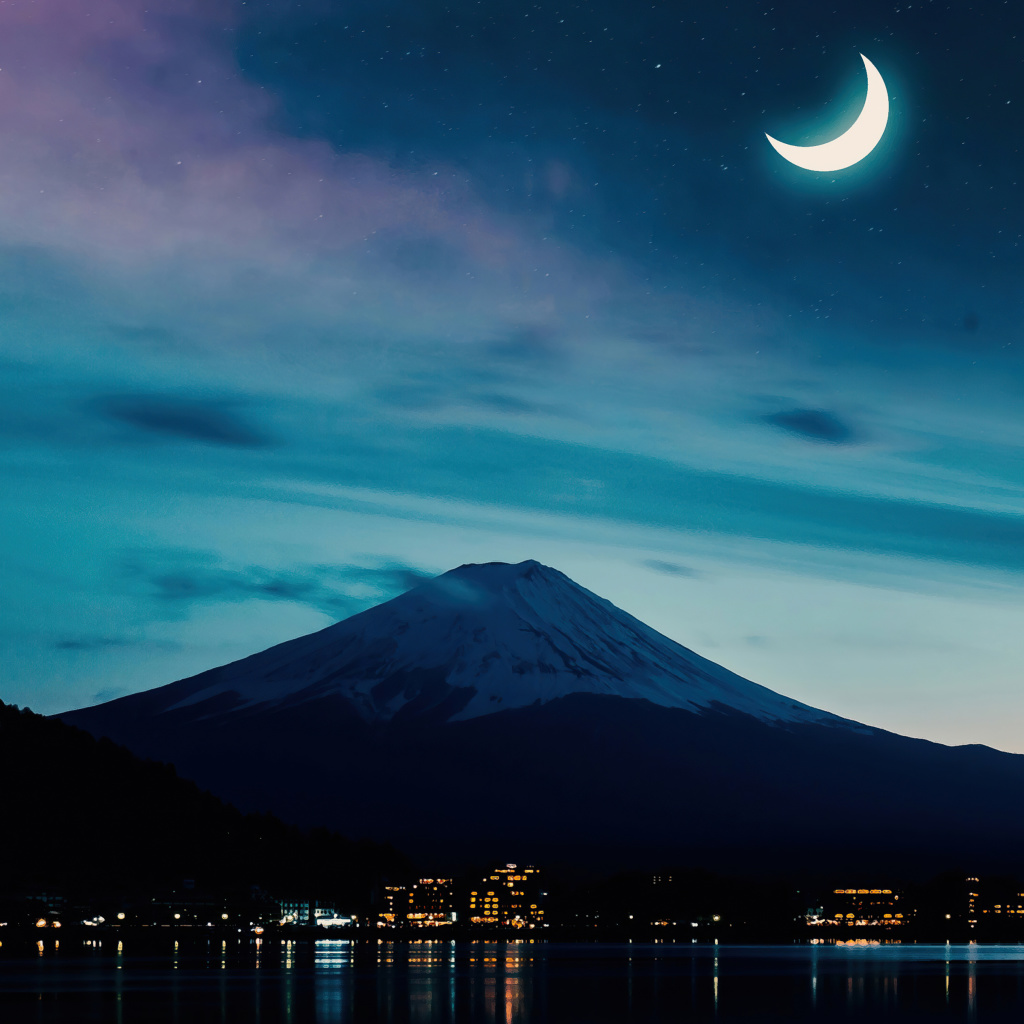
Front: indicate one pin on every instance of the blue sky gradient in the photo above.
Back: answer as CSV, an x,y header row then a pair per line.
x,y
301,303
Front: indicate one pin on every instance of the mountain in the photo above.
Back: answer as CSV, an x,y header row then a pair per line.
x,y
85,817
476,640
504,711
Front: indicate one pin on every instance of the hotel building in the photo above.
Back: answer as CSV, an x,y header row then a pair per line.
x,y
863,908
427,904
509,897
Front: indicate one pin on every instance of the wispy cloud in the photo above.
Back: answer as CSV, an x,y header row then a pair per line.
x,y
182,578
89,643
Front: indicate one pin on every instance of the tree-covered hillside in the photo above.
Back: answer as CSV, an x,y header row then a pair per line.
x,y
87,816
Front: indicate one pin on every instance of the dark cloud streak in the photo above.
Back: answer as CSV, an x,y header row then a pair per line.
x,y
814,424
671,568
89,643
190,419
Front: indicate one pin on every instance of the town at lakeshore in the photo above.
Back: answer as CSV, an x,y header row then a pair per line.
x,y
513,901
99,841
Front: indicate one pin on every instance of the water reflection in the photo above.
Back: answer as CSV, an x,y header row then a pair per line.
x,y
431,982
814,977
972,981
287,981
499,984
714,975
332,962
333,981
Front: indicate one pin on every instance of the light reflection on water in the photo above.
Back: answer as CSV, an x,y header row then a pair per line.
x,y
346,982
433,982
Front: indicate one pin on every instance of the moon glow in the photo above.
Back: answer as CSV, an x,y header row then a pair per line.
x,y
856,142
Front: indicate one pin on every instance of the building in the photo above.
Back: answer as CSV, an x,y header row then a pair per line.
x,y
972,900
993,903
429,903
861,908
298,912
335,921
509,897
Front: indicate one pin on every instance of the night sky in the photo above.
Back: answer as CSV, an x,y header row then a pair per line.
x,y
301,302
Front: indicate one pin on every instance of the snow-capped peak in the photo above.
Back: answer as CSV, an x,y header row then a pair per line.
x,y
486,638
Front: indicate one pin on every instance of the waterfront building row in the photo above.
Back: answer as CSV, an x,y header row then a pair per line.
x,y
507,897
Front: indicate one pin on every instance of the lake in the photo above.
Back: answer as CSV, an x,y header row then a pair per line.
x,y
508,982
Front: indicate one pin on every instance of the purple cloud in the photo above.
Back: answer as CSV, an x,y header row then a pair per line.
x,y
130,137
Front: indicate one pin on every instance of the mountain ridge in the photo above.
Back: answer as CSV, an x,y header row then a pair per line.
x,y
478,638
370,727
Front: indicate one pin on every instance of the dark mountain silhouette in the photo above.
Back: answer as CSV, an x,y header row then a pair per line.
x,y
502,711
85,816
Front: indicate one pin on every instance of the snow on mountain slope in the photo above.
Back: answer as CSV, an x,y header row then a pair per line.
x,y
476,640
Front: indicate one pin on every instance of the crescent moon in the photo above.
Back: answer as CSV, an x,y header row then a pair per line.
x,y
856,142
